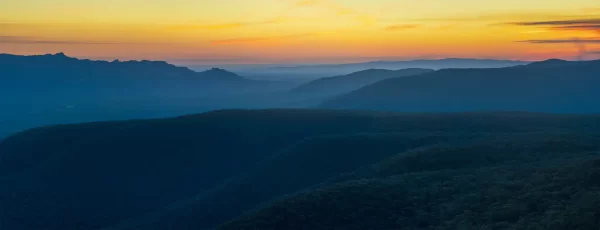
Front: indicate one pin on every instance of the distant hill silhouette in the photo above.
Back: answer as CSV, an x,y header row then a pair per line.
x,y
298,168
550,63
216,74
342,69
550,86
61,69
54,88
333,86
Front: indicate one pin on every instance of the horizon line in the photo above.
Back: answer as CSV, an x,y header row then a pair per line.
x,y
178,61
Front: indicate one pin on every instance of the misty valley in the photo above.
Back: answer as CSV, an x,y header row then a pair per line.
x,y
57,89
422,144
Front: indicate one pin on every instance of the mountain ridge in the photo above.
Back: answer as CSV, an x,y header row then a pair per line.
x,y
62,89
548,86
61,58
315,71
498,61
331,86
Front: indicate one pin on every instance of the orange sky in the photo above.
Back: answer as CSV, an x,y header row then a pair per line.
x,y
194,32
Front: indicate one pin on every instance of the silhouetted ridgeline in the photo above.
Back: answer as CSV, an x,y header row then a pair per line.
x,y
342,69
333,86
54,88
57,89
550,86
56,72
305,169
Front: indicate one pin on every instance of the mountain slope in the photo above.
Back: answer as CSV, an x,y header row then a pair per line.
x,y
56,72
342,69
201,170
98,174
84,68
333,86
515,182
563,87
62,89
310,162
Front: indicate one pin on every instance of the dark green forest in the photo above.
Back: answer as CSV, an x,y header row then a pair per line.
x,y
306,169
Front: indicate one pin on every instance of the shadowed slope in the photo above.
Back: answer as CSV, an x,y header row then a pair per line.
x,y
57,89
542,181
566,87
198,171
333,86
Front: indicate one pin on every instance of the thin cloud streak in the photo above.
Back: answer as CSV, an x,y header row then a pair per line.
x,y
500,17
560,23
578,27
30,40
563,41
567,27
235,25
587,24
239,40
186,26
256,39
402,27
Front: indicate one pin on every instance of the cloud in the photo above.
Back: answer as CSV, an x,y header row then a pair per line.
x,y
563,41
446,27
579,44
51,26
32,40
234,25
402,27
240,40
4,25
499,16
588,24
215,58
256,39
588,27
594,21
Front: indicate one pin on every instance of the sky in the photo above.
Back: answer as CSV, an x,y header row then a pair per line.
x,y
204,32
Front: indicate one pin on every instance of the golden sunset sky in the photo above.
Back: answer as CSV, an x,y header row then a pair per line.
x,y
301,31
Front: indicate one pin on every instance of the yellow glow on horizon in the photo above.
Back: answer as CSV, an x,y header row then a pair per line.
x,y
274,31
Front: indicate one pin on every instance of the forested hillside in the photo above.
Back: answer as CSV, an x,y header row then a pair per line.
x,y
273,169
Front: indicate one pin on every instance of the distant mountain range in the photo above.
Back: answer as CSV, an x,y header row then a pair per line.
x,y
54,88
331,86
57,75
342,69
550,86
61,69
